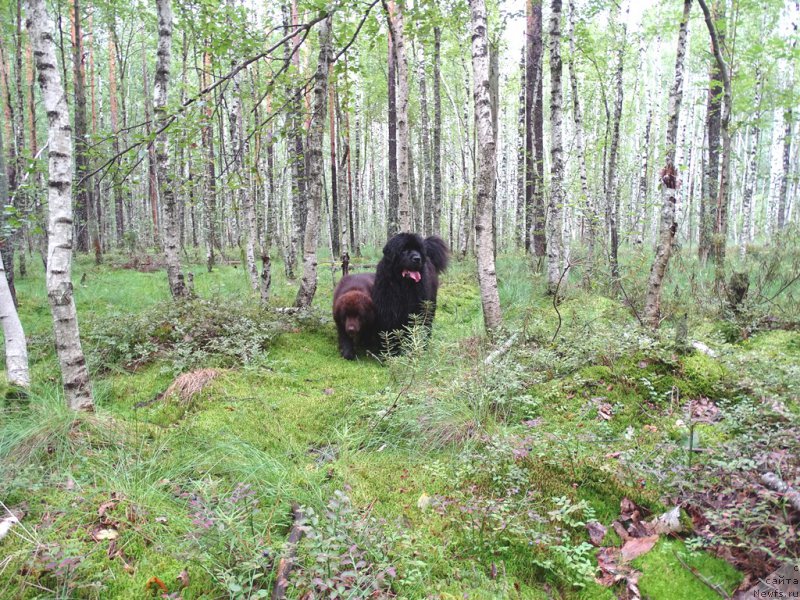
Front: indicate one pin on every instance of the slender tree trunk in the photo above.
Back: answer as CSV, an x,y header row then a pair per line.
x,y
669,184
335,225
175,278
520,236
403,180
708,201
113,107
77,387
16,345
534,132
437,133
752,173
784,186
426,200
152,159
612,193
210,179
720,238
487,276
271,216
392,221
590,220
555,207
316,187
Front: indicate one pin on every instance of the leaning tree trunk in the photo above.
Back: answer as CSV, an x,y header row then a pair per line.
x,y
484,238
316,183
75,376
590,219
166,187
403,181
555,206
669,184
16,346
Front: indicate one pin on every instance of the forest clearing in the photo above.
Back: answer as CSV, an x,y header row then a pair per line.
x,y
388,299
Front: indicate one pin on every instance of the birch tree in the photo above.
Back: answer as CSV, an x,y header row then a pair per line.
x,y
403,178
316,184
590,217
485,181
75,376
13,334
555,206
669,184
175,278
723,195
437,132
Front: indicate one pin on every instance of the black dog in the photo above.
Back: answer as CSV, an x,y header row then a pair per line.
x,y
406,281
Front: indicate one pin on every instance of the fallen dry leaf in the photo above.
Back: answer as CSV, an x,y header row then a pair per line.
x,y
637,546
669,522
105,507
155,582
596,532
328,391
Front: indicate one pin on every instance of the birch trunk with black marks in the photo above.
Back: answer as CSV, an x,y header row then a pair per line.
x,y
669,184
316,183
519,236
612,193
177,285
426,200
116,184
752,172
555,206
16,345
711,176
403,180
536,239
392,209
75,376
484,240
437,132
334,232
784,185
590,217
210,178
720,238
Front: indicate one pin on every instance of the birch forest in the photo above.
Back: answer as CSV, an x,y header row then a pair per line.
x,y
414,299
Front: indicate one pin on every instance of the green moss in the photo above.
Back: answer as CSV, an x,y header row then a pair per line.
x,y
664,577
704,374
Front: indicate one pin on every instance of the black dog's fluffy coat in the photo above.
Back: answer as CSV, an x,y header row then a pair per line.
x,y
407,278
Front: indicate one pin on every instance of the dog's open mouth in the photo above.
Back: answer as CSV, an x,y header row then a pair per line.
x,y
415,275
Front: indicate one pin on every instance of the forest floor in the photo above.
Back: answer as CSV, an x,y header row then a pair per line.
x,y
437,474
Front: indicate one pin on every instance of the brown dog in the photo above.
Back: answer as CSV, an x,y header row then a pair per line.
x,y
354,313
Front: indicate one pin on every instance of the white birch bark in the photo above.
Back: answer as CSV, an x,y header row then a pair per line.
x,y
750,183
555,206
16,345
590,216
308,282
669,184
484,239
403,190
75,376
166,188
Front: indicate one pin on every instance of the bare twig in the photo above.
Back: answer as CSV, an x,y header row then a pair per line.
x,y
708,583
290,550
555,299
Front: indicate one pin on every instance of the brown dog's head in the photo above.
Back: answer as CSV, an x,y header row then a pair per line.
x,y
354,312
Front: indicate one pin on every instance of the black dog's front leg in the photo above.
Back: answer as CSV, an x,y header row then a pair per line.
x,y
346,346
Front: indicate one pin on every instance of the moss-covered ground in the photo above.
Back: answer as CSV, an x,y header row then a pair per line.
x,y
460,479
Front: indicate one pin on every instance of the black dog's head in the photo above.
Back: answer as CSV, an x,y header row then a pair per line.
x,y
405,253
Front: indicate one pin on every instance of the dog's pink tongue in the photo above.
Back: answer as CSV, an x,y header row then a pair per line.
x,y
415,275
